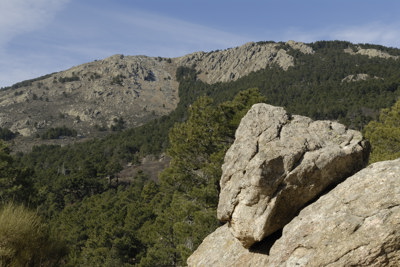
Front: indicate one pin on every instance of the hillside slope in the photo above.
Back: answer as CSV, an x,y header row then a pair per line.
x,y
135,88
323,80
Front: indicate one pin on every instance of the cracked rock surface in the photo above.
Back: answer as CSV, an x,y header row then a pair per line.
x,y
277,164
356,224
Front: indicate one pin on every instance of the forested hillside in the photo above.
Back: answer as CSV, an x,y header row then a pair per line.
x,y
104,221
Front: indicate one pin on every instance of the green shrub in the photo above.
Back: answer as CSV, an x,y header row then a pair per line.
x,y
69,79
6,134
119,124
118,80
55,133
384,134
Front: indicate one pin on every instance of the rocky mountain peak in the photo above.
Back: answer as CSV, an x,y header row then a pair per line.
x,y
231,64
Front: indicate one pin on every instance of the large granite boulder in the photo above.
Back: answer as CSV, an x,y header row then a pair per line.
x,y
222,249
277,164
218,249
355,224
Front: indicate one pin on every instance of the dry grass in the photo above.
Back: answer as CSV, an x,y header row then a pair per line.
x,y
25,240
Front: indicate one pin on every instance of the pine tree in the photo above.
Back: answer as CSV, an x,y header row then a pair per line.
x,y
189,188
15,183
384,134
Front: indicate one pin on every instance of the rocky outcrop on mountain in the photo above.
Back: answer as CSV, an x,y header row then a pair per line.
x,y
355,224
231,64
302,47
375,53
370,52
277,164
358,77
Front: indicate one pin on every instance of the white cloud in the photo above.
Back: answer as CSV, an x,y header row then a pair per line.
x,y
173,35
184,31
300,35
20,16
30,46
373,33
15,68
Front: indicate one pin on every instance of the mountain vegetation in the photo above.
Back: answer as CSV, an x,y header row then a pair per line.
x,y
15,182
6,134
26,240
105,221
384,134
54,133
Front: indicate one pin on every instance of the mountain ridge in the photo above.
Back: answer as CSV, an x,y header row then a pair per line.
x,y
92,97
137,89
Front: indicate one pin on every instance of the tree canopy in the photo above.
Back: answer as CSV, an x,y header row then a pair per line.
x,y
15,183
188,197
384,134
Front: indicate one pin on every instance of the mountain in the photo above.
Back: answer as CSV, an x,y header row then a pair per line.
x,y
92,96
127,91
137,89
135,173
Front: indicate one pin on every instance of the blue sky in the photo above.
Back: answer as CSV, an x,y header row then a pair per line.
x,y
38,37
